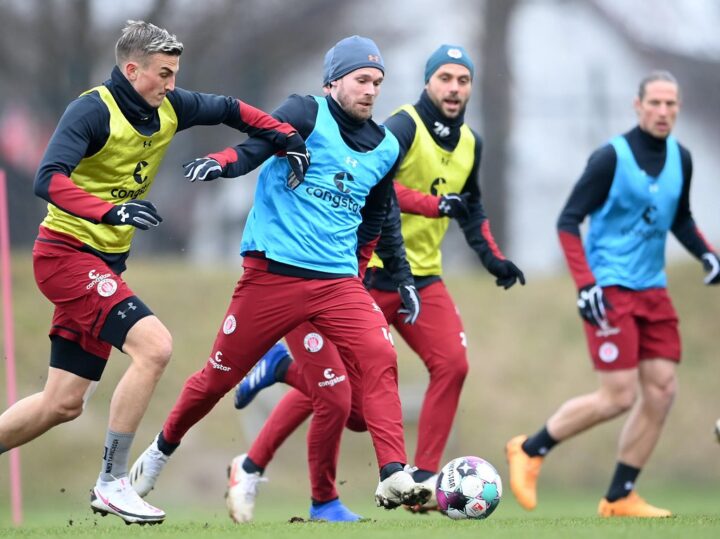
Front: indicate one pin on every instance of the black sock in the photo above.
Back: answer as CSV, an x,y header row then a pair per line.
x,y
166,447
421,475
623,482
315,503
250,467
282,368
390,469
539,444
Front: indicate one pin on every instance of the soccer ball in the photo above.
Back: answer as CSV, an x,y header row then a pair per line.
x,y
468,487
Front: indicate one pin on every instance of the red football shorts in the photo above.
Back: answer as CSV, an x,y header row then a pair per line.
x,y
82,288
643,325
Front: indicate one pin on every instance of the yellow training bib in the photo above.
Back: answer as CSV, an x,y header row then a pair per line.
x,y
430,169
123,169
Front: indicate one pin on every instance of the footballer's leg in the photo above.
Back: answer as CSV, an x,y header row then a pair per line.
x,y
438,338
60,401
350,318
132,327
270,369
237,348
658,382
245,472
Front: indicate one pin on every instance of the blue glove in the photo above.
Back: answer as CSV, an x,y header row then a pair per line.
x,y
138,213
593,306
712,268
298,159
204,169
411,303
454,205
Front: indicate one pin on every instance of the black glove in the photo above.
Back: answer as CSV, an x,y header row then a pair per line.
x,y
203,169
411,303
506,273
593,306
711,263
454,205
138,213
298,159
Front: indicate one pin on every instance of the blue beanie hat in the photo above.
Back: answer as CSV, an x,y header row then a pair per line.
x,y
350,54
448,54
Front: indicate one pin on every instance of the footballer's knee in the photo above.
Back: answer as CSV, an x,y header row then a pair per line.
x,y
356,423
660,392
619,399
333,402
149,344
63,409
452,367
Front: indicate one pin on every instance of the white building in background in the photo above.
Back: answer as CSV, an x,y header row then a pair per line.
x,y
574,80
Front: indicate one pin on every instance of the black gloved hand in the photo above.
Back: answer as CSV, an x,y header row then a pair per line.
x,y
454,205
411,303
506,273
711,263
593,306
298,159
138,213
204,169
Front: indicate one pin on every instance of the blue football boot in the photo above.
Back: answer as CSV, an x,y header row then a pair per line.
x,y
262,375
333,511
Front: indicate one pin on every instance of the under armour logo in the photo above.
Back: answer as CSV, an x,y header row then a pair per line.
x,y
131,307
124,216
147,143
350,161
374,58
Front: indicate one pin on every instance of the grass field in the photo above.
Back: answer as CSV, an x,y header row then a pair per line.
x,y
568,515
527,355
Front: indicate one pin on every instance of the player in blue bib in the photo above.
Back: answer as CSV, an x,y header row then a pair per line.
x,y
301,246
635,189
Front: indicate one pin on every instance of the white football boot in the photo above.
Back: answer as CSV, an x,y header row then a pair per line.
x,y
431,504
117,497
401,489
146,470
242,491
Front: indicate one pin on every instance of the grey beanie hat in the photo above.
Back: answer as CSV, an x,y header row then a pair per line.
x,y
350,54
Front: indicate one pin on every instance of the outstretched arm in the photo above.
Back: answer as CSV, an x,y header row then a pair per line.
x,y
238,160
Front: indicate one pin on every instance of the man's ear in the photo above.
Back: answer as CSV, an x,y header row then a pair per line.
x,y
130,70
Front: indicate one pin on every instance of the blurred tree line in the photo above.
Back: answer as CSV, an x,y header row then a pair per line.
x,y
52,50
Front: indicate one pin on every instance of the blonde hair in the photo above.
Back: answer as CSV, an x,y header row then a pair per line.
x,y
141,39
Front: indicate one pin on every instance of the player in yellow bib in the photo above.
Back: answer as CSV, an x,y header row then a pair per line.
x,y
438,180
95,174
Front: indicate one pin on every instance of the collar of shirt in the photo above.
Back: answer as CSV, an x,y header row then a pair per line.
x,y
131,103
445,131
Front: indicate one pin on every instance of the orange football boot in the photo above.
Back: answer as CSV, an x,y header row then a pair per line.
x,y
631,505
524,471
